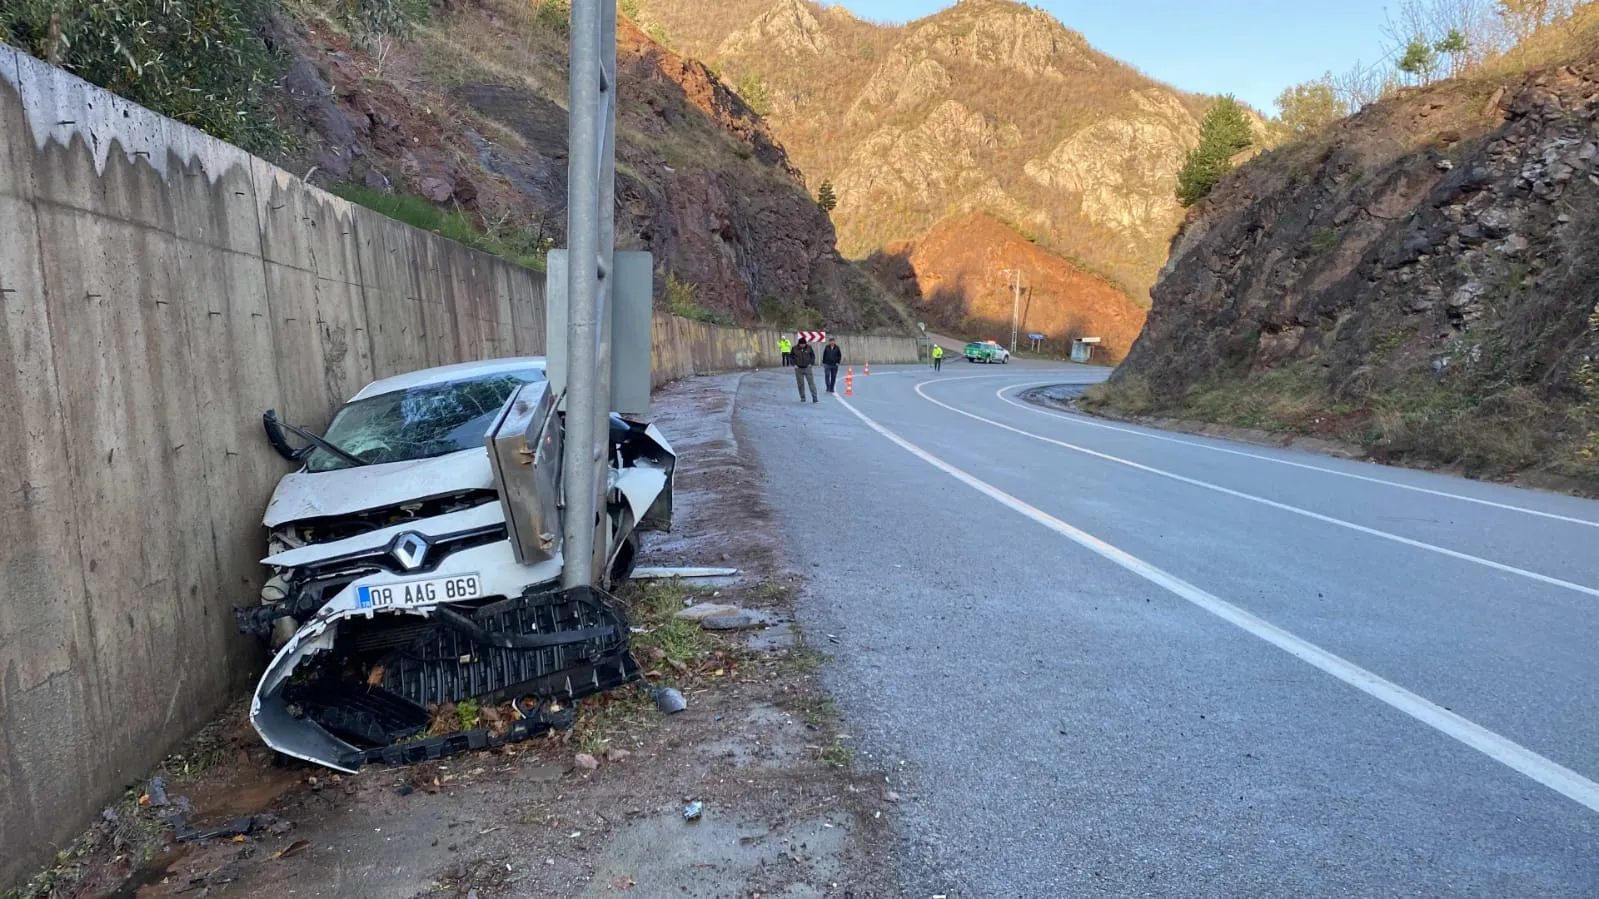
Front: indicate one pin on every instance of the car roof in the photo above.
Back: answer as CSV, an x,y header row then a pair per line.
x,y
445,373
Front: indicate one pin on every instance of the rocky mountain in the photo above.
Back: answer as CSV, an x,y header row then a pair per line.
x,y
988,106
959,278
470,114
1421,279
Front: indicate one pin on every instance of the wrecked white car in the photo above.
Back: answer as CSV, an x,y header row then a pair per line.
x,y
415,565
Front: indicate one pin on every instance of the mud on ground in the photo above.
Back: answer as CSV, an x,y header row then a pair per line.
x,y
784,811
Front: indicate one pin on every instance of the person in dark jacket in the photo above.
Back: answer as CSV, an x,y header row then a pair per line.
x,y
832,356
804,358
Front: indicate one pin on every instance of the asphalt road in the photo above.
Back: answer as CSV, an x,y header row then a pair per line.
x,y
1106,660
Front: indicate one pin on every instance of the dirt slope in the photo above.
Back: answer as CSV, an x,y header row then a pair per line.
x,y
470,114
1422,279
954,277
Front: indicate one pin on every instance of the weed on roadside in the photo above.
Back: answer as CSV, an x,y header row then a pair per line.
x,y
652,609
613,721
835,754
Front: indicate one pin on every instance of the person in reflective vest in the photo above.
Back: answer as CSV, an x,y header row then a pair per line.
x,y
938,358
787,349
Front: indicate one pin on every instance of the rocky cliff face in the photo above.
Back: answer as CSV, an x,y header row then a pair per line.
x,y
988,106
471,115
1423,279
958,278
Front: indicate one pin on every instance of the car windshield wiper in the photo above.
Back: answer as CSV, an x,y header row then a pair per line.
x,y
272,422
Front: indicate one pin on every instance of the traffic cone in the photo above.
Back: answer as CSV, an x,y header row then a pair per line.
x,y
868,369
849,381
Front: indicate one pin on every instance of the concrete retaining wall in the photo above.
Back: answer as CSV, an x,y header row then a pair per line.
x,y
158,290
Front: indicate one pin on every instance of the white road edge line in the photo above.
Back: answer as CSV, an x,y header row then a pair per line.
x,y
1317,516
1512,755
1089,423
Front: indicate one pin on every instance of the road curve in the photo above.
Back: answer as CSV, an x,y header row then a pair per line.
x,y
1103,659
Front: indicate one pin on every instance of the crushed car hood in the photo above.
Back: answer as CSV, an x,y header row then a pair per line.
x,y
321,494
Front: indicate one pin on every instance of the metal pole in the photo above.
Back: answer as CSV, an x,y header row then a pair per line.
x,y
582,291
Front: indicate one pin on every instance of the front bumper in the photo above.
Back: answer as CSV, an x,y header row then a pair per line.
x,y
356,684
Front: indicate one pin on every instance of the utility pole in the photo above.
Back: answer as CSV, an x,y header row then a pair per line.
x,y
1016,302
1015,310
590,231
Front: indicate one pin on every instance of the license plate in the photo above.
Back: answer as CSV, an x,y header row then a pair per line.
x,y
420,593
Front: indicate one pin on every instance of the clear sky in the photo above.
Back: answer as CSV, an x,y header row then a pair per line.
x,y
1250,48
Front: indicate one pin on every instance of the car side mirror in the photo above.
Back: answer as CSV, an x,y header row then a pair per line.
x,y
275,436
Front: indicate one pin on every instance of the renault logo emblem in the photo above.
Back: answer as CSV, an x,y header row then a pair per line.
x,y
410,550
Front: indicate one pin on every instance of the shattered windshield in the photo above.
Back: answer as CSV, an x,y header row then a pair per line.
x,y
419,422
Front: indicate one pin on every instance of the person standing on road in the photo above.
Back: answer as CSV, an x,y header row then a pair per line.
x,y
787,349
804,358
832,356
938,358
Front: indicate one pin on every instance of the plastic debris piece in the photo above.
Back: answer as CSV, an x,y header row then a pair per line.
x,y
643,573
693,810
233,828
157,791
668,700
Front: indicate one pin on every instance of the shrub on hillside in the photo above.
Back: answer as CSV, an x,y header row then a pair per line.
x,y
206,63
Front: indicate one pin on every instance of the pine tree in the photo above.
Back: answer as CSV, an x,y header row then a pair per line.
x,y
1419,60
1453,45
825,197
1222,135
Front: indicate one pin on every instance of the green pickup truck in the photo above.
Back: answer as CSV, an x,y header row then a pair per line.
x,y
986,351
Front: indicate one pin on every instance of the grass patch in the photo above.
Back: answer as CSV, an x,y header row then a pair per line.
x,y
818,711
836,754
653,607
804,660
1130,394
1279,400
1323,240
605,722
769,592
682,300
525,246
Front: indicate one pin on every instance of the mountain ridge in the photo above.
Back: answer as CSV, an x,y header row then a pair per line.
x,y
984,106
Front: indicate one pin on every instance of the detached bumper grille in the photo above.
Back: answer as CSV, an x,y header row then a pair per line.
x,y
585,651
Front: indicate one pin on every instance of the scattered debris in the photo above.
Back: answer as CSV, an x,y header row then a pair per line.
x,y
693,810
735,621
668,700
293,848
586,762
616,755
704,610
155,794
622,883
236,827
666,573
